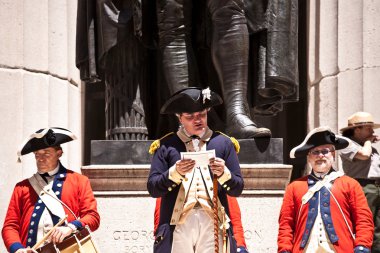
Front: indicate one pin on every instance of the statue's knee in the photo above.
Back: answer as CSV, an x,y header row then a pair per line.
x,y
170,21
222,14
170,15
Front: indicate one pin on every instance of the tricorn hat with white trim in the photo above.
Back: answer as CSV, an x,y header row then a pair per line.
x,y
191,100
317,137
45,138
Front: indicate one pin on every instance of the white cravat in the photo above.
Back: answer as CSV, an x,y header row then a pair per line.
x,y
195,140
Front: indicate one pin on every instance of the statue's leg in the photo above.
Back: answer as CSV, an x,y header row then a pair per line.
x,y
230,48
174,27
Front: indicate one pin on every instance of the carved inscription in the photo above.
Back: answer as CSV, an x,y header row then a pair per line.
x,y
135,241
141,241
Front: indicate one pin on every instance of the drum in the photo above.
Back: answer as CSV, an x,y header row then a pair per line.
x,y
80,242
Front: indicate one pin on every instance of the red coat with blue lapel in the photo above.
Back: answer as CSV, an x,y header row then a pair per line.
x,y
75,192
349,194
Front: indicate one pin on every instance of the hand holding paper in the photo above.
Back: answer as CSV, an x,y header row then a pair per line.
x,y
200,159
217,166
184,166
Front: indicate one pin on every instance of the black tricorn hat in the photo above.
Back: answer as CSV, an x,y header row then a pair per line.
x,y
45,138
191,100
317,137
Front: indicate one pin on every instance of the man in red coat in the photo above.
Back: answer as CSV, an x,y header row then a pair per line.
x,y
325,211
38,203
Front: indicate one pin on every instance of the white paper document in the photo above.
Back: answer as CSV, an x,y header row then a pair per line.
x,y
201,158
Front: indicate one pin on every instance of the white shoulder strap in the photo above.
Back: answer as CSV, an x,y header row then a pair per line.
x,y
44,191
328,179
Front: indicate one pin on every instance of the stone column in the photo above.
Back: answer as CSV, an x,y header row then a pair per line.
x,y
343,61
40,84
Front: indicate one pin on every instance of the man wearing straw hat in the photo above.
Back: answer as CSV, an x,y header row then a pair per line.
x,y
52,193
362,162
325,211
188,213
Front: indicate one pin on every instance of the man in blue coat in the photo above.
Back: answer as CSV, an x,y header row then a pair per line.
x,y
186,189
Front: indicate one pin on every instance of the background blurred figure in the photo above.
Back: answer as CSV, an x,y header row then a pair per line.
x,y
362,162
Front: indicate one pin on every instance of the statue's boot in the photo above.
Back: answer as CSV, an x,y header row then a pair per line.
x,y
239,122
242,127
230,49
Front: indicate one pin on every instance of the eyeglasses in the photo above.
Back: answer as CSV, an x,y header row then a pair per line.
x,y
322,151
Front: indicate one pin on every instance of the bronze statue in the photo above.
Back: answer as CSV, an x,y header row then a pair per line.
x,y
229,48
144,46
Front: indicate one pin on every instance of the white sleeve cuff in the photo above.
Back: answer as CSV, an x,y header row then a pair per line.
x,y
174,175
225,177
72,226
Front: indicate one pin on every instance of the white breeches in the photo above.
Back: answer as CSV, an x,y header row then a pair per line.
x,y
196,235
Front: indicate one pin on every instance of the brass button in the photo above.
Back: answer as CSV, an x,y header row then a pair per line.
x,y
228,188
170,189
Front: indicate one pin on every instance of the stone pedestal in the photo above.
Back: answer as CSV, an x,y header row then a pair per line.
x,y
264,150
119,172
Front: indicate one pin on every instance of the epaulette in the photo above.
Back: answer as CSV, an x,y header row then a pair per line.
x,y
156,144
233,140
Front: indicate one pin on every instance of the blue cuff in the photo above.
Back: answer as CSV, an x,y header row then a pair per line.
x,y
77,223
15,247
242,249
361,249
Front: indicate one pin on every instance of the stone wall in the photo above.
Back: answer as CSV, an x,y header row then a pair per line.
x,y
343,61
127,221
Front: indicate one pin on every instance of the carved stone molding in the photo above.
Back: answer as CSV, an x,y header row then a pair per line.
x,y
134,177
